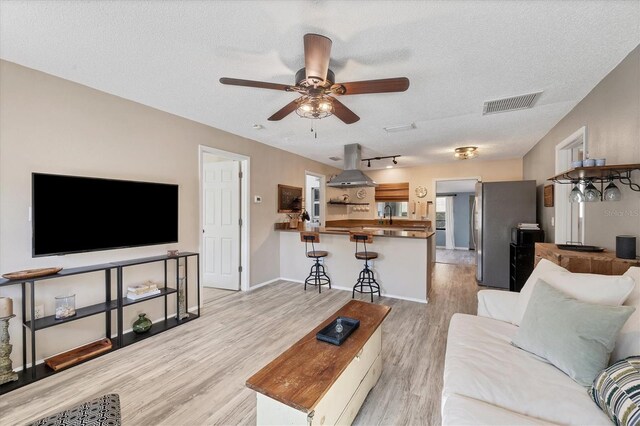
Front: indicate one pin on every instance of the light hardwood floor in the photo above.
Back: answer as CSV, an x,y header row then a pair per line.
x,y
195,374
456,257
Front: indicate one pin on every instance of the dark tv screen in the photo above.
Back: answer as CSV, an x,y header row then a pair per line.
x,y
73,214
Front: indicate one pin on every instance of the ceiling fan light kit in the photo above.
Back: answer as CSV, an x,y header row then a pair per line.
x,y
316,85
466,152
314,107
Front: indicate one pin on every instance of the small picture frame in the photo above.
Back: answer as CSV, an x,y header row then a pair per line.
x,y
548,196
289,199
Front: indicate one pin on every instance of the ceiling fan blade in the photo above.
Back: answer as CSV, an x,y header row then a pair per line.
x,y
284,111
344,113
317,51
386,85
258,84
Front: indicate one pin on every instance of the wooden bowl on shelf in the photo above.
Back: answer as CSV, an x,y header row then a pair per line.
x,y
31,273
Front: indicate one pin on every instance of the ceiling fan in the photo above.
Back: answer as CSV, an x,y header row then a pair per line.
x,y
316,83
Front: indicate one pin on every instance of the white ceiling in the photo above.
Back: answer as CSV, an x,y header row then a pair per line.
x,y
170,55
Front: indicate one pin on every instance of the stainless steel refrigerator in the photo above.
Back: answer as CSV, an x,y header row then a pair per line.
x,y
498,207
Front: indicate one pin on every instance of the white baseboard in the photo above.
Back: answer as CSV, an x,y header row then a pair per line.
x,y
391,296
337,287
257,286
295,281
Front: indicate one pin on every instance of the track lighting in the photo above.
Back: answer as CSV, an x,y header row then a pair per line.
x,y
393,157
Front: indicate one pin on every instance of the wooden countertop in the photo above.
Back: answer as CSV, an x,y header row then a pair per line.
x,y
303,374
604,262
552,249
376,231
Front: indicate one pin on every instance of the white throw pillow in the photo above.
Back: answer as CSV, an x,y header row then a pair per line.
x,y
542,269
628,342
610,290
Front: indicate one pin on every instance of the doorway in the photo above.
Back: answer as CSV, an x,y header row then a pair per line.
x,y
569,217
224,189
455,243
314,198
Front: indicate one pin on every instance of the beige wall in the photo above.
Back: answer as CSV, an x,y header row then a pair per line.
x,y
487,171
611,112
48,124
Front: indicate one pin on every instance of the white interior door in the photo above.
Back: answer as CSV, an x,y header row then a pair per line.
x,y
221,225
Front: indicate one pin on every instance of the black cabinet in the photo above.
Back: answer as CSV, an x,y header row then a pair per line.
x,y
522,259
522,256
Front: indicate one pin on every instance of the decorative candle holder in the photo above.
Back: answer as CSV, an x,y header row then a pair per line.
x,y
6,370
65,306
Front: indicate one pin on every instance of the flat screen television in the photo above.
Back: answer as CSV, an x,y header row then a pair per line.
x,y
73,214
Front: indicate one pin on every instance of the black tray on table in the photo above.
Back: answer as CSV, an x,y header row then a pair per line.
x,y
330,335
579,247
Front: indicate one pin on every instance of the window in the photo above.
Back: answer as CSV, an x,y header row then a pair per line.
x,y
441,209
398,209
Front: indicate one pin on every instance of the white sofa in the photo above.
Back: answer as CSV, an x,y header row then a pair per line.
x,y
489,381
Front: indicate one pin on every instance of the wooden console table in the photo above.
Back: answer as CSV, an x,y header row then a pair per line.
x,y
316,383
605,262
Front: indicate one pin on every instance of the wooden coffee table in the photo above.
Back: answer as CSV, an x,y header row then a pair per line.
x,y
317,383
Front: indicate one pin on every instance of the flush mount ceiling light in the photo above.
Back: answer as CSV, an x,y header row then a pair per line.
x,y
466,152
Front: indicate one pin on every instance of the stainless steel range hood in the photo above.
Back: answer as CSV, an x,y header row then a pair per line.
x,y
352,176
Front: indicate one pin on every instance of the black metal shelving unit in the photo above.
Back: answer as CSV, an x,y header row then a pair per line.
x,y
40,371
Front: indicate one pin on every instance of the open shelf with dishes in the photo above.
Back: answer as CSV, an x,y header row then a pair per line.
x,y
340,203
30,326
599,174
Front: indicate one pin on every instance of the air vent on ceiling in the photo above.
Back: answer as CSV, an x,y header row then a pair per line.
x,y
335,158
513,103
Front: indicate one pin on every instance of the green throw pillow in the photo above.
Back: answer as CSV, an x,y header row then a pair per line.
x,y
576,337
617,391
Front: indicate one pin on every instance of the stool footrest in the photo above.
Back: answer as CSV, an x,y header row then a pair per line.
x,y
366,283
317,276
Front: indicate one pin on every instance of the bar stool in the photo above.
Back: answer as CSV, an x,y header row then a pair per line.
x,y
366,283
317,276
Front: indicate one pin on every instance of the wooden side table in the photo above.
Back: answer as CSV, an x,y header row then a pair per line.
x,y
605,262
316,383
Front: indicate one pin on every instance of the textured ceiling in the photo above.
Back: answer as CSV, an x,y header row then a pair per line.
x,y
170,55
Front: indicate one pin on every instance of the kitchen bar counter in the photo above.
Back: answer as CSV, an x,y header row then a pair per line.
x,y
376,231
403,268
